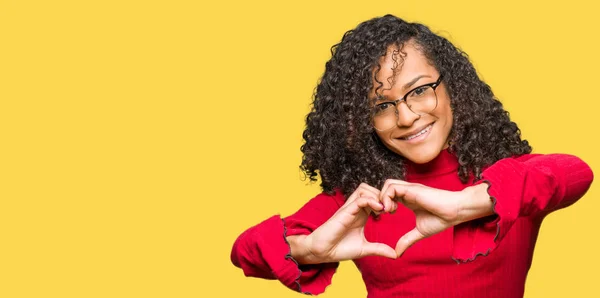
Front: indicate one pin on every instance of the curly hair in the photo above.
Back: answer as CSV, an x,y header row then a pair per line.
x,y
340,144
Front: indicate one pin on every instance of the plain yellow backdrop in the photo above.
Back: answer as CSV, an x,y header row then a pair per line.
x,y
139,138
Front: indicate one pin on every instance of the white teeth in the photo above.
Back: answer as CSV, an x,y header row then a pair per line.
x,y
426,129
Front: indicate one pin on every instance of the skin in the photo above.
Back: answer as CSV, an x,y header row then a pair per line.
x,y
342,236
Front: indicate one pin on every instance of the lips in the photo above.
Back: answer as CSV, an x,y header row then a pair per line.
x,y
417,132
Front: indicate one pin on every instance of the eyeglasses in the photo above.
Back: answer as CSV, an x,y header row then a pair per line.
x,y
420,100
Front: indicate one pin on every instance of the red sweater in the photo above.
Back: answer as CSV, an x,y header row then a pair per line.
x,y
492,254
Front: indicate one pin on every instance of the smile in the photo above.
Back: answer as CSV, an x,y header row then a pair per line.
x,y
418,134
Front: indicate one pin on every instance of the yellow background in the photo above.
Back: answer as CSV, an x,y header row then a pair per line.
x,y
139,138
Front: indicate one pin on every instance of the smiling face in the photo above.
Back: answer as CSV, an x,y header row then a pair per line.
x,y
417,137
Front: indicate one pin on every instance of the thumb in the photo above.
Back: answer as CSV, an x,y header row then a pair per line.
x,y
408,240
379,249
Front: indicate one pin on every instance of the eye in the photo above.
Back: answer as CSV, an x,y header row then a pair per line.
x,y
419,91
384,107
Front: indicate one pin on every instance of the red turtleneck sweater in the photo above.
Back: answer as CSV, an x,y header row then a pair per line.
x,y
488,257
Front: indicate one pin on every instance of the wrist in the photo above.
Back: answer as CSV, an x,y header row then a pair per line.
x,y
475,203
299,249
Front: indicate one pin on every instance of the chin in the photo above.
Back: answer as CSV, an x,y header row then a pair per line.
x,y
420,155
420,158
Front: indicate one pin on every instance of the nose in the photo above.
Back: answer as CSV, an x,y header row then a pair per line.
x,y
406,117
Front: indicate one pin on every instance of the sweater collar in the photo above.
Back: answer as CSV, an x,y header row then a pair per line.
x,y
444,163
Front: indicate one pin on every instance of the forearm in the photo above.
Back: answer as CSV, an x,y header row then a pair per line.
x,y
527,186
539,184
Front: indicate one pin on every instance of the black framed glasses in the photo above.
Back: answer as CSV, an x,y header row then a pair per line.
x,y
420,100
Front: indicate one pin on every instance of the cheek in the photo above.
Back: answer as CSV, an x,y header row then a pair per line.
x,y
446,110
443,111
448,114
448,117
384,137
444,114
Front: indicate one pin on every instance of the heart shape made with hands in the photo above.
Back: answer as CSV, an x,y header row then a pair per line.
x,y
435,209
341,237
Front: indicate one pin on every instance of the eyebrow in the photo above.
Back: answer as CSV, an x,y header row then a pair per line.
x,y
405,87
413,81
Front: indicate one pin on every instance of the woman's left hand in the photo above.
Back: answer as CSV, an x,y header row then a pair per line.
x,y
436,209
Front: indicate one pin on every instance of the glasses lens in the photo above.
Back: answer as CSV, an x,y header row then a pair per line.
x,y
385,115
421,100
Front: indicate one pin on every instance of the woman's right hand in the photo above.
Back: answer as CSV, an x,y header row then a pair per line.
x,y
342,236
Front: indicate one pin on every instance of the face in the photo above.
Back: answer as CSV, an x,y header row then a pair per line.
x,y
419,138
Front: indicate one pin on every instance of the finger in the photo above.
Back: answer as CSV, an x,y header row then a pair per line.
x,y
394,207
395,192
378,249
370,194
408,240
351,198
388,182
362,190
410,194
386,200
366,190
407,195
369,203
369,188
374,193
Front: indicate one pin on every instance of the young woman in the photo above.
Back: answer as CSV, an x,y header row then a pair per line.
x,y
427,184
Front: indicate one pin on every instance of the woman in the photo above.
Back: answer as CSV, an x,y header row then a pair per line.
x,y
427,184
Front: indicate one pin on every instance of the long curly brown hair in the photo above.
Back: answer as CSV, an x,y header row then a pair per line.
x,y
339,141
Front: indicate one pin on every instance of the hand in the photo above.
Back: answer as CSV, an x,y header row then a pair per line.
x,y
342,236
435,209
